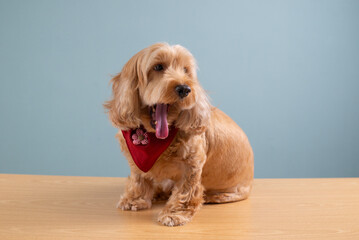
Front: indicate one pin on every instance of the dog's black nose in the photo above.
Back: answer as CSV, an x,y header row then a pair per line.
x,y
182,90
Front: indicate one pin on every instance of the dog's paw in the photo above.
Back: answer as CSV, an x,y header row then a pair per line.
x,y
133,204
173,219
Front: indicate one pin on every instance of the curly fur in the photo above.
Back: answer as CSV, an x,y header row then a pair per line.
x,y
210,160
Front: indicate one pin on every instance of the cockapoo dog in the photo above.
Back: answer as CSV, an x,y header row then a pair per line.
x,y
178,146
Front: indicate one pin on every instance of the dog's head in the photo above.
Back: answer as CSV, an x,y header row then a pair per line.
x,y
156,88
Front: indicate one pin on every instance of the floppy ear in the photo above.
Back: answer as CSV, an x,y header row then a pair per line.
x,y
196,119
124,107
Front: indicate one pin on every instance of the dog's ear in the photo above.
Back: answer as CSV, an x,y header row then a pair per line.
x,y
124,107
196,118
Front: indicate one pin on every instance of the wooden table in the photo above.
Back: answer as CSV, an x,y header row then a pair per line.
x,y
56,207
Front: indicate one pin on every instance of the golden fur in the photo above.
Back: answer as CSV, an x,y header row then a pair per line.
x,y
210,160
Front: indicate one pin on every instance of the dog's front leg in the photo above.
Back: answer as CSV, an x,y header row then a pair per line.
x,y
187,194
138,194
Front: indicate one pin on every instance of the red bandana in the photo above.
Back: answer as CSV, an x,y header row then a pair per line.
x,y
145,147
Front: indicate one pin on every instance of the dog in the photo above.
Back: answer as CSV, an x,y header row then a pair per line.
x,y
178,146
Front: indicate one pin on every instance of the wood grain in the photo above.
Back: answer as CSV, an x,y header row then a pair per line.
x,y
56,207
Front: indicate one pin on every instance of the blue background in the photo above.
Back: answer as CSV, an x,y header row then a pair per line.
x,y
286,71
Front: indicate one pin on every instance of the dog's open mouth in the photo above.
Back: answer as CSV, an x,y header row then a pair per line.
x,y
158,113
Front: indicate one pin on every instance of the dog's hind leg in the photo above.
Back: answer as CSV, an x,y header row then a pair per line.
x,y
163,190
227,195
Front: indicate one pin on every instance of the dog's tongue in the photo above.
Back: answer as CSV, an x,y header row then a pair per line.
x,y
161,119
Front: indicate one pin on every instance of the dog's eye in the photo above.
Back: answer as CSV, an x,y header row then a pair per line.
x,y
158,67
185,70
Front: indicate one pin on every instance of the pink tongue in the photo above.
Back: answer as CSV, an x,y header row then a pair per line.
x,y
161,118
